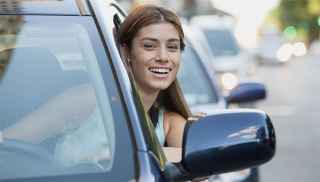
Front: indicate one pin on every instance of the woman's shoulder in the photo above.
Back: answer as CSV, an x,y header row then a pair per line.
x,y
174,117
174,124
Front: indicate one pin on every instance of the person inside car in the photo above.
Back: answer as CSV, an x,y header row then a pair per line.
x,y
152,39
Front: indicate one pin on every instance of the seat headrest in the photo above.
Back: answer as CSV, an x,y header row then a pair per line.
x,y
31,76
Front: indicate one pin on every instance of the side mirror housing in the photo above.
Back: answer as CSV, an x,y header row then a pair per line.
x,y
247,92
225,142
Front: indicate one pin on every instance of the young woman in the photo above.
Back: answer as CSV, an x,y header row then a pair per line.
x,y
152,40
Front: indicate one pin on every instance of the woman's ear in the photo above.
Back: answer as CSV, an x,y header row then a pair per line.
x,y
125,55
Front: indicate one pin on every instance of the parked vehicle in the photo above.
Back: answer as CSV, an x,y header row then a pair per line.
x,y
204,95
272,49
231,63
60,67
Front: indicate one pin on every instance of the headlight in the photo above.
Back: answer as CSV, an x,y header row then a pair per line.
x,y
229,80
284,53
299,49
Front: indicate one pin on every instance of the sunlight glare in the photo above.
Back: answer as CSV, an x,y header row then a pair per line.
x,y
249,14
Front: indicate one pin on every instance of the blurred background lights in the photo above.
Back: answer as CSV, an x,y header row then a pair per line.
x,y
250,15
229,81
284,53
290,32
299,49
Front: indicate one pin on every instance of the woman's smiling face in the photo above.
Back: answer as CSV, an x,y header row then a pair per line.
x,y
155,56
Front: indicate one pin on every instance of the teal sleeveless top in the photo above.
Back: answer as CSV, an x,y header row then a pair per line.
x,y
159,129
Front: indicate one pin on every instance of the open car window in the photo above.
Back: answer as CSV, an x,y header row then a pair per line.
x,y
146,124
174,93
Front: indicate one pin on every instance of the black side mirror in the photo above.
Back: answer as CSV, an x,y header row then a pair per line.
x,y
247,92
225,142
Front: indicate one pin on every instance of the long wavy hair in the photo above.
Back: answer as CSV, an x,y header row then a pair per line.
x,y
142,16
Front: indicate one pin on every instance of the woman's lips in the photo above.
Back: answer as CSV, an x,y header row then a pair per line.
x,y
160,71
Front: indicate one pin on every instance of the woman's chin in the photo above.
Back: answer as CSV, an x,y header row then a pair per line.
x,y
161,86
156,85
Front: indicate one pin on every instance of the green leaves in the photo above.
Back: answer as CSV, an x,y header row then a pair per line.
x,y
299,19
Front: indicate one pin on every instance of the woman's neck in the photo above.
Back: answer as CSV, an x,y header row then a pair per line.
x,y
148,98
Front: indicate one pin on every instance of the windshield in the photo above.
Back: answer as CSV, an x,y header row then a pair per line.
x,y
222,42
53,120
195,83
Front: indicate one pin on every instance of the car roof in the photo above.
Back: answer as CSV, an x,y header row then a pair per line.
x,y
44,7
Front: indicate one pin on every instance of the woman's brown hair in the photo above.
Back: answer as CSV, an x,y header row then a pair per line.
x,y
143,16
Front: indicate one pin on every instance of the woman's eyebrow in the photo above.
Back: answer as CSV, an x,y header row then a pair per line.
x,y
156,40
174,40
150,39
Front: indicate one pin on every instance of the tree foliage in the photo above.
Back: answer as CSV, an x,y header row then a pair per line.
x,y
302,14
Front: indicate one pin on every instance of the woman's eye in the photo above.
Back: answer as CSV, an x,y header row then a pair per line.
x,y
173,47
148,46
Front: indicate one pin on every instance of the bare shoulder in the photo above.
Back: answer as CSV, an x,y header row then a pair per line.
x,y
174,124
173,117
173,121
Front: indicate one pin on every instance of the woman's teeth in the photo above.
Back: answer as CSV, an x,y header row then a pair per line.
x,y
160,70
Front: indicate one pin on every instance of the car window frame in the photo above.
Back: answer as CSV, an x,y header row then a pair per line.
x,y
156,151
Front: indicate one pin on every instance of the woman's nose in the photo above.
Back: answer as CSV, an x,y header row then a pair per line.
x,y
163,54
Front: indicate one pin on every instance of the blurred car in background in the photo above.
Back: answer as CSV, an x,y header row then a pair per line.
x,y
202,93
273,48
231,63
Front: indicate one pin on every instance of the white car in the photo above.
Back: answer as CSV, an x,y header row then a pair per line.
x,y
203,95
231,63
273,49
